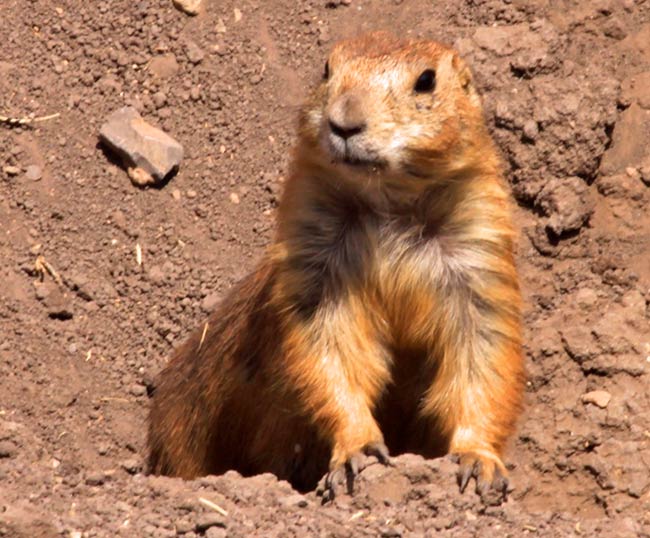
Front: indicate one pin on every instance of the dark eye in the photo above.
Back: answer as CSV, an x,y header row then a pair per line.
x,y
426,82
326,71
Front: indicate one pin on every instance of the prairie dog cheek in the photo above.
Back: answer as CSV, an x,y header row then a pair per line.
x,y
401,140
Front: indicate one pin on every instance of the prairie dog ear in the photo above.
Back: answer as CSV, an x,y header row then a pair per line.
x,y
466,79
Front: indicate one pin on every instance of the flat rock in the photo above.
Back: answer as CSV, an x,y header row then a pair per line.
x,y
567,203
141,146
191,7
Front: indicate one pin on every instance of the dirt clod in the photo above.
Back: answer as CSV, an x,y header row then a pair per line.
x,y
164,66
567,203
194,53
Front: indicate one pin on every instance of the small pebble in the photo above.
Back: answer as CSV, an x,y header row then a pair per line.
x,y
191,7
122,59
7,449
140,177
586,298
176,194
210,302
216,532
138,390
11,170
41,290
165,112
164,66
645,174
156,275
206,521
531,130
183,526
96,479
294,500
191,193
470,515
159,99
33,172
600,398
234,197
132,466
194,53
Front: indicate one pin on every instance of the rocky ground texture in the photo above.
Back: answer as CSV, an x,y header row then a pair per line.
x,y
84,326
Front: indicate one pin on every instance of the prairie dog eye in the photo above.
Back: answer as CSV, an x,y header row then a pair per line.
x,y
326,71
426,82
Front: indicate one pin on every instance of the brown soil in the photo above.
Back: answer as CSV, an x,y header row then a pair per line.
x,y
566,91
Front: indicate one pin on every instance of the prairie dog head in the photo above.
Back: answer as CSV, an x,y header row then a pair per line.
x,y
396,109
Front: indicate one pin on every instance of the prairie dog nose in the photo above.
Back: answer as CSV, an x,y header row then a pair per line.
x,y
346,116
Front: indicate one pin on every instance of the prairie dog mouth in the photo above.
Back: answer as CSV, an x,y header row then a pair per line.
x,y
352,152
353,160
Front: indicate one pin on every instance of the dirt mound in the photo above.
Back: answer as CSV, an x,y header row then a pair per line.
x,y
85,327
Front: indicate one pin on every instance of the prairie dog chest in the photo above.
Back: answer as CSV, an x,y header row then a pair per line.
x,y
409,265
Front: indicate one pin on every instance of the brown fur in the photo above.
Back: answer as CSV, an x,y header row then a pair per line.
x,y
388,307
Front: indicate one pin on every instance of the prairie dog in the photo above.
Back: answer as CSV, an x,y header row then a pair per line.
x,y
385,316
